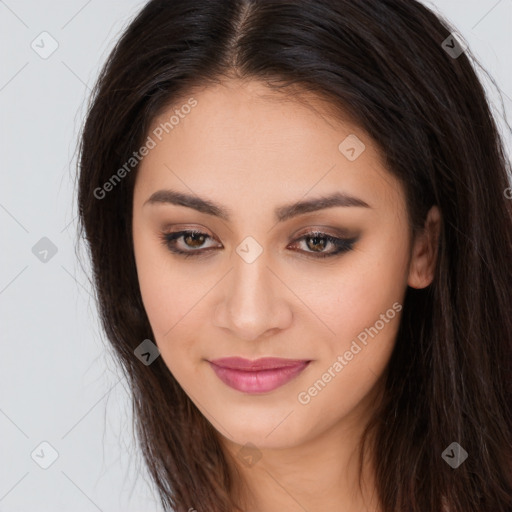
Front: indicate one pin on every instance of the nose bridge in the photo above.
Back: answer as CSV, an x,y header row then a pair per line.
x,y
251,304
250,280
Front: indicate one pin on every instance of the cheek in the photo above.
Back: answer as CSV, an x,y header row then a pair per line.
x,y
166,293
175,301
168,300
364,288
364,312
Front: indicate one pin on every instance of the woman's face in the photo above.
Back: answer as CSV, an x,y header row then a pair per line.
x,y
261,279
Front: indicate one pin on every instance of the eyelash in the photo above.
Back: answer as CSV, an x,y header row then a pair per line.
x,y
342,245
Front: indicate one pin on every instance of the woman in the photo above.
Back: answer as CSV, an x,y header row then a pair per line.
x,y
301,237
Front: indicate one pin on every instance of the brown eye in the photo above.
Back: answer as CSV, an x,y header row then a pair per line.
x,y
192,242
316,243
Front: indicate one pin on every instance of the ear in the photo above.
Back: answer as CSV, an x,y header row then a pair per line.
x,y
424,251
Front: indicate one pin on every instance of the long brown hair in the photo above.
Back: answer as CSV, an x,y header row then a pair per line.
x,y
385,64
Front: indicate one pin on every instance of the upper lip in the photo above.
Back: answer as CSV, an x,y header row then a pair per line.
x,y
265,363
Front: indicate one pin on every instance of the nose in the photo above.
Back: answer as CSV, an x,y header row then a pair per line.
x,y
253,302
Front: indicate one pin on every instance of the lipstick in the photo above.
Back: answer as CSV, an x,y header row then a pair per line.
x,y
259,376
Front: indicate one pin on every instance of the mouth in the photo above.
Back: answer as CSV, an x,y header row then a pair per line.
x,y
259,376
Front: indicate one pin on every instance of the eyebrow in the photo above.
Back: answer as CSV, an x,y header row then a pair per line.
x,y
282,213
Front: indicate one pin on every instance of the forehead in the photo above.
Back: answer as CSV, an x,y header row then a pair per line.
x,y
243,139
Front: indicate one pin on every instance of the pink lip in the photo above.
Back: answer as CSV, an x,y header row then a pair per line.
x,y
259,376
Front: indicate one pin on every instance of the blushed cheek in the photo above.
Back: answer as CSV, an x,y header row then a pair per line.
x,y
163,295
165,306
361,308
347,300
167,314
176,314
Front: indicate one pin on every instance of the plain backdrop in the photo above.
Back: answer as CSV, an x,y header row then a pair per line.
x,y
58,384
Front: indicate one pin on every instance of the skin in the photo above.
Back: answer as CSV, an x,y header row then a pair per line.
x,y
248,149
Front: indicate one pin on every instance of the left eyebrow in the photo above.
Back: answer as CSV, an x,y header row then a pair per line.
x,y
281,213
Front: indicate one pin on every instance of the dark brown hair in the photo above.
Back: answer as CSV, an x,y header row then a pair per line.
x,y
383,63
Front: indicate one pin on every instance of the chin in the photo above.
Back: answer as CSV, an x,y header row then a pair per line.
x,y
264,434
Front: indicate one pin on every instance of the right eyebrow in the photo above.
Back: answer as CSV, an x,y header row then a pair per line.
x,y
281,213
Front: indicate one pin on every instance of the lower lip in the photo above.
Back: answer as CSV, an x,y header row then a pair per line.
x,y
260,381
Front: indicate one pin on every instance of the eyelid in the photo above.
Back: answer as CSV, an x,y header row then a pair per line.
x,y
342,244
309,231
326,231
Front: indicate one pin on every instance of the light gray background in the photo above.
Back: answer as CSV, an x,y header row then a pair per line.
x,y
57,381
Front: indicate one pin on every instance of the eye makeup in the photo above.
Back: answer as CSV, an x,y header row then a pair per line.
x,y
190,242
